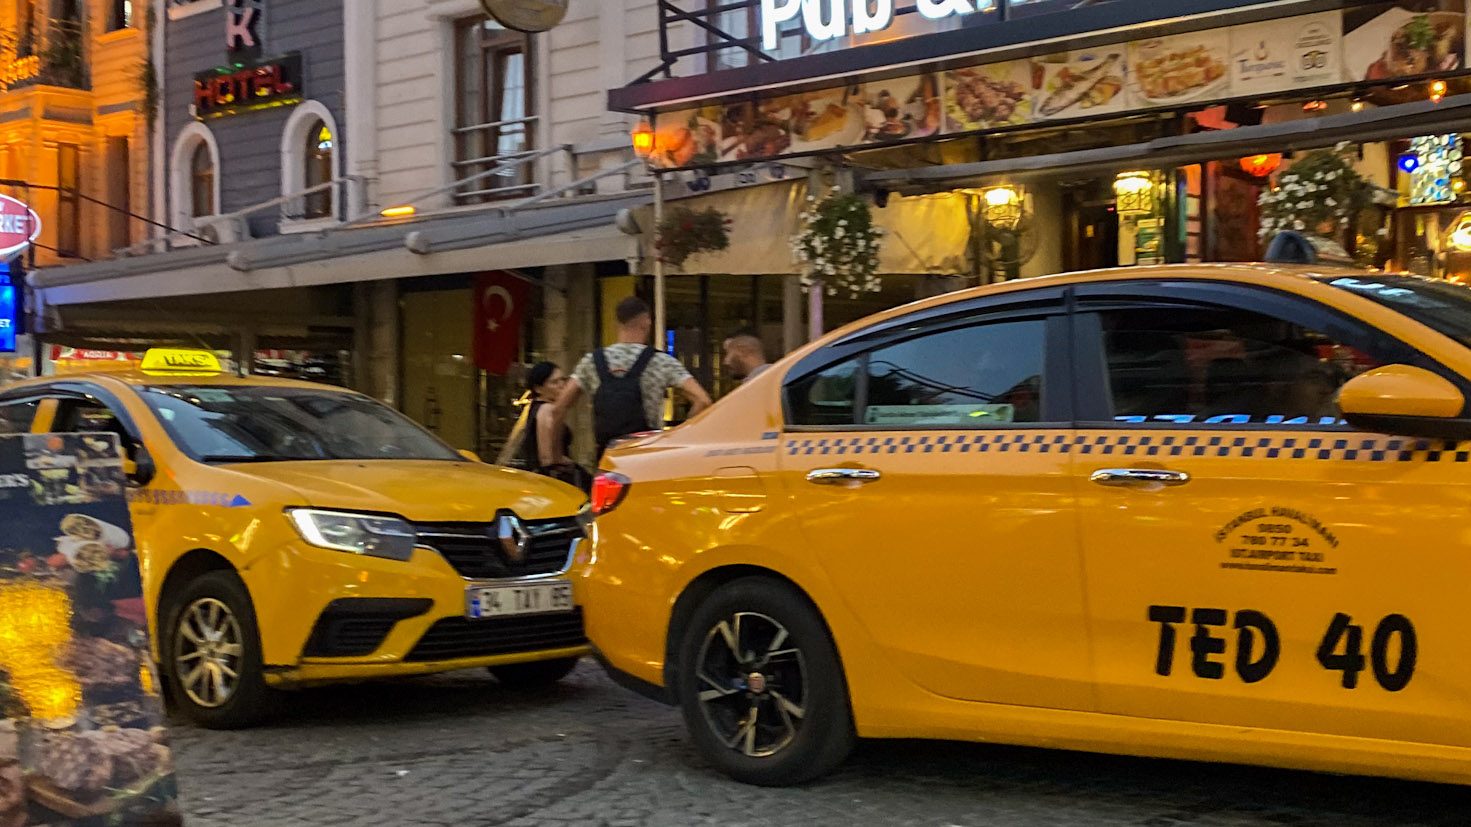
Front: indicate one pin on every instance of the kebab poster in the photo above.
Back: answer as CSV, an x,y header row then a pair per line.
x,y
1383,41
82,742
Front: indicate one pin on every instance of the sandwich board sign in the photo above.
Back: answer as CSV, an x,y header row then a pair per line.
x,y
82,741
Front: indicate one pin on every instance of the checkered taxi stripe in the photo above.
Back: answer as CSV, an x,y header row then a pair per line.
x,y
1356,448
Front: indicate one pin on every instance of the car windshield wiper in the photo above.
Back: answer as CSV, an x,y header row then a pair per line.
x,y
227,459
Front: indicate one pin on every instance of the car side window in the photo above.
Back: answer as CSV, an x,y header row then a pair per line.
x,y
85,416
963,377
828,397
1223,366
17,417
989,374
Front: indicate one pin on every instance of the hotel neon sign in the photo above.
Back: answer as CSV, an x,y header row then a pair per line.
x,y
831,19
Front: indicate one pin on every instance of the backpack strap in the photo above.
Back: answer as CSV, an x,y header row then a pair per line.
x,y
600,361
639,364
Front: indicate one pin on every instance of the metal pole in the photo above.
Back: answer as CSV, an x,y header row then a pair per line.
x,y
660,311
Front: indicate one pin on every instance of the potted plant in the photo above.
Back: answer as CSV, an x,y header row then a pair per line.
x,y
685,232
838,245
1321,194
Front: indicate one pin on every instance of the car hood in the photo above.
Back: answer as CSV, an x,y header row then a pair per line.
x,y
421,491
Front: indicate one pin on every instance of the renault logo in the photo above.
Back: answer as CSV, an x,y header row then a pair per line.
x,y
514,537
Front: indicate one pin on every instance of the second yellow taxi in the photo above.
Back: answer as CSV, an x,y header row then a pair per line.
x,y
1207,512
292,534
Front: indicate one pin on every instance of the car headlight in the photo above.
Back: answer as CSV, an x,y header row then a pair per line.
x,y
367,534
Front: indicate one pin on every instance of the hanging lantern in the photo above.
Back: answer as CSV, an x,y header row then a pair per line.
x,y
643,139
1135,193
1262,165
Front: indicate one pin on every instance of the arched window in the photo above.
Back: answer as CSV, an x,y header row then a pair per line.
x,y
318,154
202,181
194,177
311,156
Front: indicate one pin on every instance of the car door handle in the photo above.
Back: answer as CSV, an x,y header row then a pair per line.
x,y
1138,477
843,476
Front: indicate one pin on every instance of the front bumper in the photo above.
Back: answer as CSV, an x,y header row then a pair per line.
x,y
328,616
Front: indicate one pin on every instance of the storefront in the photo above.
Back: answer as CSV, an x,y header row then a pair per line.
x,y
1149,141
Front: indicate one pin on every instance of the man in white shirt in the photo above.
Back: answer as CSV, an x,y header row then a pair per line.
x,y
609,375
745,356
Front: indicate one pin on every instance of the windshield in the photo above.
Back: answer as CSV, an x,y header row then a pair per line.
x,y
1441,305
233,424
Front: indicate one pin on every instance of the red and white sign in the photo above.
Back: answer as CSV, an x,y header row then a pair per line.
x,y
19,226
500,305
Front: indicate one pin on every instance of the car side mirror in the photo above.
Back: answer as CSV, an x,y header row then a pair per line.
x,y
470,455
140,469
1405,400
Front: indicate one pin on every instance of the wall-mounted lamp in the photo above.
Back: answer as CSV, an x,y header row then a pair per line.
x,y
1003,207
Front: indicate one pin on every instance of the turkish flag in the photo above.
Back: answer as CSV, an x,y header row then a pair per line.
x,y
500,305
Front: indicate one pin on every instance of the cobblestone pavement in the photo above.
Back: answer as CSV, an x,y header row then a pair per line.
x,y
459,750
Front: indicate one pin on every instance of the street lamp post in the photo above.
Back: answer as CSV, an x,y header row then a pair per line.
x,y
644,144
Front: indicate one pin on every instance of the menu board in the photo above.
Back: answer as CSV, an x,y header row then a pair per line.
x,y
1381,41
81,724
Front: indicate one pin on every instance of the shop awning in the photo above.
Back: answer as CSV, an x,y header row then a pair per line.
x,y
558,232
1406,120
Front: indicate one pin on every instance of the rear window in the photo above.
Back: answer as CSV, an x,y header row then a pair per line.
x,y
1440,305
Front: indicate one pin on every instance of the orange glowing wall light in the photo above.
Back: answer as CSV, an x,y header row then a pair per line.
x,y
1262,165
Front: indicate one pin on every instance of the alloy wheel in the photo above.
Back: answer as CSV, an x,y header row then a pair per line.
x,y
752,684
208,650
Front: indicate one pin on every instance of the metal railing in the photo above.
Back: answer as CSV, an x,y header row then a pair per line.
x,y
477,146
58,59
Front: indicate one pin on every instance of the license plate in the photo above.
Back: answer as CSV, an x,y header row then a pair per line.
x,y
530,599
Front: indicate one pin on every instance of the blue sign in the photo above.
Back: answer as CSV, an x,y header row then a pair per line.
x,y
9,313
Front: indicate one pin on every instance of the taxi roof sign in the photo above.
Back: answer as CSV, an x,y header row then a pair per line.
x,y
176,360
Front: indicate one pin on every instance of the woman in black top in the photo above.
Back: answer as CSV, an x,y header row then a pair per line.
x,y
549,453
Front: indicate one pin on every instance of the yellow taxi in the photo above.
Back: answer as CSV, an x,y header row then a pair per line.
x,y
1215,512
294,534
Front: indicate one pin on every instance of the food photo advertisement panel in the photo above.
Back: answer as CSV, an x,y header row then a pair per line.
x,y
82,737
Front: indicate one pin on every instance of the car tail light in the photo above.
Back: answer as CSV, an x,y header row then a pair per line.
x,y
608,490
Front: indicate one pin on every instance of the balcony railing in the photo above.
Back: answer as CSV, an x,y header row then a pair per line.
x,y
59,59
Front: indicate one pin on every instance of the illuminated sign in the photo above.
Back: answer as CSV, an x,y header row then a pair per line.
x,y
230,90
169,360
19,226
831,19
9,312
243,26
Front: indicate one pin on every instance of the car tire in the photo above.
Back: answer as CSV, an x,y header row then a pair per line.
x,y
792,724
534,675
211,635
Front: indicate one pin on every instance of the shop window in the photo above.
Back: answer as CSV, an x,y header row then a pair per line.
x,y
201,182
68,202
119,15
1224,367
495,114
